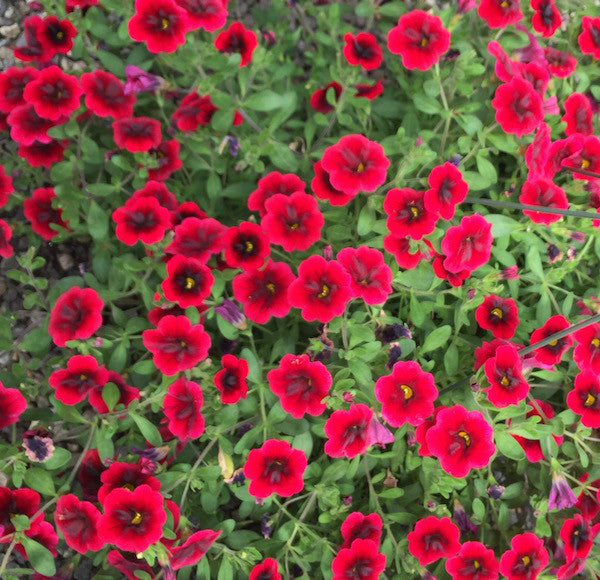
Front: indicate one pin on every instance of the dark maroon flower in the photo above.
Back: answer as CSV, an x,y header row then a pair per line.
x,y
78,521
433,538
182,405
362,50
237,39
318,100
143,219
188,281
105,95
230,381
498,315
361,561
207,14
198,238
89,475
348,432
246,246
137,134
125,475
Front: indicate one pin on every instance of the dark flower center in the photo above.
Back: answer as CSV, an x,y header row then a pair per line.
x,y
595,342
270,287
434,542
579,536
230,381
360,569
141,220
445,191
352,433
275,470
522,565
248,246
595,34
362,50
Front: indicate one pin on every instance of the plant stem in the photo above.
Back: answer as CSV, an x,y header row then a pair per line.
x,y
188,482
6,558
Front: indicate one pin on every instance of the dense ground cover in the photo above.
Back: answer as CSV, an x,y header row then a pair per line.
x,y
300,290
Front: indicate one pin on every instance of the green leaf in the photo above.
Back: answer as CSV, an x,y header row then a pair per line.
x,y
144,367
254,373
534,262
502,225
148,430
111,395
478,509
436,339
97,222
37,340
427,104
60,457
269,100
40,480
118,358
451,360
111,62
508,447
104,444
486,169
20,522
40,558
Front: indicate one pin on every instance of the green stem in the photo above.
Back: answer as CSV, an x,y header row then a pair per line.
x,y
6,558
193,471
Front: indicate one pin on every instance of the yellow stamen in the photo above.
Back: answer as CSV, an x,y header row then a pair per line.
x,y
596,342
59,95
360,167
464,435
271,287
424,41
60,35
526,560
585,164
82,377
589,400
137,519
183,343
189,283
504,4
504,382
414,212
164,24
476,565
128,486
249,246
324,291
293,227
497,312
553,343
408,392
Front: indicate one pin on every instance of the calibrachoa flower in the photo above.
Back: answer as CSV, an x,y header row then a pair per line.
x,y
127,567
293,222
167,160
348,431
300,384
318,100
132,520
12,84
406,395
161,24
561,495
399,247
361,561
198,238
42,154
447,190
544,193
500,13
137,134
188,281
78,522
17,502
27,127
461,440
275,468
322,188
358,526
578,536
207,14
82,374
519,108
433,538
504,372
237,38
420,39
368,91
551,353
158,190
498,315
39,211
194,111
586,354
560,64
407,214
176,344
321,290
546,18
263,293
589,39
230,381
127,394
193,549
125,475
53,93
182,405
105,95
584,399
585,156
33,50
526,558
473,562
246,246
362,50
370,276
578,115
12,404
56,36
6,250
532,447
355,164
143,219
467,246
271,184
76,315
139,81
266,570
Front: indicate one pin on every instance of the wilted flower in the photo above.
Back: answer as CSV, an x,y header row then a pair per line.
x,y
152,453
393,356
265,526
561,495
554,254
348,397
139,81
38,445
511,273
578,237
232,314
462,519
495,491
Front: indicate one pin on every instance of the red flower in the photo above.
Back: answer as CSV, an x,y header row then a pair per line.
x,y
105,96
500,13
407,214
18,502
498,315
271,184
6,250
584,398
358,526
348,432
433,538
12,404
27,127
536,156
132,520
194,111
6,187
468,246
82,374
578,536
551,353
406,395
455,279
361,561
198,238
185,210
56,36
301,385
176,344
322,188
587,352
519,108
362,50
12,84
369,91
161,24
318,100
237,39
53,93
400,249
473,562
42,154
188,281
587,156
230,381
526,559
578,115
532,447
546,18
137,134
461,440
266,570
275,468
39,211
125,475
76,315
127,567
544,193
263,293
246,246
89,475
321,290
33,50
78,521
207,14
589,39
448,189
182,405
193,549
560,64
167,158
355,164
370,277
159,191
504,372
420,39
293,222
127,394
83,5
143,219
560,150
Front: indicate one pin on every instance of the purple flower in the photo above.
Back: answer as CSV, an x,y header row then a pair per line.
x,y
378,434
393,356
465,6
38,447
232,314
495,491
234,145
463,520
139,81
561,495
265,526
533,52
